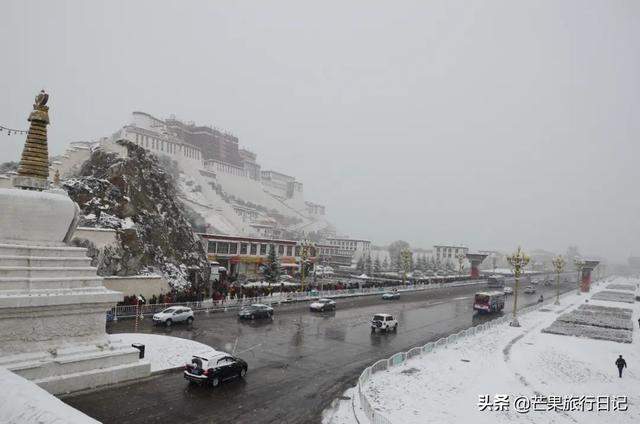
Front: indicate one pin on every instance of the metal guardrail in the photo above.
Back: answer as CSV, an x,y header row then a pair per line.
x,y
375,416
129,311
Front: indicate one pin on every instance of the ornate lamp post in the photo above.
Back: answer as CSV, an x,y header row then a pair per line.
x,y
579,264
518,261
405,257
461,257
558,264
304,257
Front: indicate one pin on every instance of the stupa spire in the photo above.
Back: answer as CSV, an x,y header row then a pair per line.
x,y
33,171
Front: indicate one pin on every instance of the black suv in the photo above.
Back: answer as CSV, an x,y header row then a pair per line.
x,y
213,371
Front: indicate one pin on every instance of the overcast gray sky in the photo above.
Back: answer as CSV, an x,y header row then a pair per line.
x,y
492,123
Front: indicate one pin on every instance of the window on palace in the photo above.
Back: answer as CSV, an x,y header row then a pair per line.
x,y
211,246
297,250
233,248
222,248
263,249
289,250
280,249
254,249
244,249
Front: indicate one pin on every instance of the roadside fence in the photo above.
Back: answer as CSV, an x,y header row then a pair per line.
x,y
129,311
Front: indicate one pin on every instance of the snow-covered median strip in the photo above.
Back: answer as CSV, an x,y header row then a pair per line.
x,y
451,383
165,352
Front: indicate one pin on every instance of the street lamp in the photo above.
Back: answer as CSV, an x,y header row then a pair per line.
x,y
579,264
558,264
461,258
304,256
517,261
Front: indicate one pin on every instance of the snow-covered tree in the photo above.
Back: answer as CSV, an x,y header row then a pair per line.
x,y
360,264
385,264
271,269
368,265
376,265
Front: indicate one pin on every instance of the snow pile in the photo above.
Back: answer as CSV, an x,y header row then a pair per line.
x,y
477,379
165,352
615,296
23,402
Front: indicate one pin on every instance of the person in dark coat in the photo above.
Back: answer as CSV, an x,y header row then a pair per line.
x,y
621,363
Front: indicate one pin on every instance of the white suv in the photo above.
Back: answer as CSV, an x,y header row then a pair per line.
x,y
383,322
172,315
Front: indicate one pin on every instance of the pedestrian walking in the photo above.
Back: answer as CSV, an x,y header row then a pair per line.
x,y
621,363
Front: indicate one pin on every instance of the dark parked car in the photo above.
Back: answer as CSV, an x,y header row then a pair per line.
x,y
256,310
322,305
214,371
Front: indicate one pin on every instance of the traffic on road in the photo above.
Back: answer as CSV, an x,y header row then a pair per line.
x,y
295,356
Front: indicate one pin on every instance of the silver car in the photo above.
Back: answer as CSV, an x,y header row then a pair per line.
x,y
173,315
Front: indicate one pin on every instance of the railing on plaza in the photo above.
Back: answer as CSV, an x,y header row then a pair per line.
x,y
278,298
375,416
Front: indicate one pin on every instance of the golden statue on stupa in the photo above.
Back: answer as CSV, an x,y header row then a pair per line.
x,y
33,171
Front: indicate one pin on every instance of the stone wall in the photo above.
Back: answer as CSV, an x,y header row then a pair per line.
x,y
100,237
146,285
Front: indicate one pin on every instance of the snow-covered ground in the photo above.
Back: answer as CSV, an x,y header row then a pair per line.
x,y
23,402
165,352
447,385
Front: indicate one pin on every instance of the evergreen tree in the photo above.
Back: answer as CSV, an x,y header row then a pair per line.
x,y
385,264
368,265
376,265
396,262
360,264
271,269
450,266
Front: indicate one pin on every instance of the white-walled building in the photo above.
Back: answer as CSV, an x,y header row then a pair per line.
x,y
218,180
448,253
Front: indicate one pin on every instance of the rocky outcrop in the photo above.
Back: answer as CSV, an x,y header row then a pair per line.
x,y
137,197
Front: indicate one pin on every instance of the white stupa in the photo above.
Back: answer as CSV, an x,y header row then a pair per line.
x,y
52,303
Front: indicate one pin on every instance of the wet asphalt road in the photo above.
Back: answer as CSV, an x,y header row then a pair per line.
x,y
298,363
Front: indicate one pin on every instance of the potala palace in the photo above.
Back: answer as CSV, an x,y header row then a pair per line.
x,y
219,180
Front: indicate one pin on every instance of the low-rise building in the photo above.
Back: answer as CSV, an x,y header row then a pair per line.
x,y
345,250
448,253
244,255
